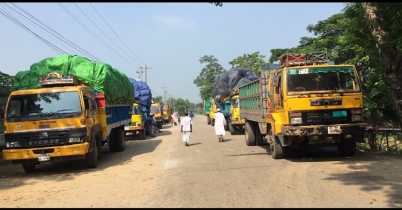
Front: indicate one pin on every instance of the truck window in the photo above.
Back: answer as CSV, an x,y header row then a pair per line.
x,y
43,106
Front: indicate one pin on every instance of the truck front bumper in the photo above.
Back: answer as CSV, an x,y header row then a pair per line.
x,y
323,129
56,152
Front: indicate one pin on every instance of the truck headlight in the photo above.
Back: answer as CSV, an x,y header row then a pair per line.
x,y
356,117
76,140
296,120
13,144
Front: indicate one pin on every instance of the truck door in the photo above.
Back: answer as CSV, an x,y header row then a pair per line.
x,y
90,112
278,92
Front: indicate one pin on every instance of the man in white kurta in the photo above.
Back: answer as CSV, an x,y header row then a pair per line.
x,y
186,128
220,123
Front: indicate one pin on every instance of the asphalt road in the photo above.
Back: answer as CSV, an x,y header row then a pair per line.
x,y
162,172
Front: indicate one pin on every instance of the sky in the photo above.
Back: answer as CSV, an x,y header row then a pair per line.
x,y
164,41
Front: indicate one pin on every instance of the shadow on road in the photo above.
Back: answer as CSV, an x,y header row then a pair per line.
x,y
66,170
193,144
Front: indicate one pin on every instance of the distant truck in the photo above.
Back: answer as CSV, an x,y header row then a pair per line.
x,y
140,125
157,110
212,112
167,114
61,118
305,100
207,108
236,123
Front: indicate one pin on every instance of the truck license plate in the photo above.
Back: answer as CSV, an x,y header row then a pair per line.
x,y
43,157
334,129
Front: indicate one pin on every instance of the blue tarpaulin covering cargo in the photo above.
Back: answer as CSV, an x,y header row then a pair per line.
x,y
142,92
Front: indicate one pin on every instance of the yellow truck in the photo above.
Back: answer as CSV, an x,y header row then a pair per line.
x,y
236,123
63,119
139,125
157,110
212,112
167,114
305,100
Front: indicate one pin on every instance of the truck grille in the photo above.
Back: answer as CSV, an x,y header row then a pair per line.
x,y
326,117
44,138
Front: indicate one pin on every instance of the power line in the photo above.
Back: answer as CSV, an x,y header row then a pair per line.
x,y
116,33
54,47
101,30
93,34
71,44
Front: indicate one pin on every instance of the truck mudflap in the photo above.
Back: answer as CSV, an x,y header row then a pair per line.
x,y
323,129
57,152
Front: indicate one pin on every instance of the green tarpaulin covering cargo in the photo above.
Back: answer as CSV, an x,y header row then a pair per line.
x,y
99,76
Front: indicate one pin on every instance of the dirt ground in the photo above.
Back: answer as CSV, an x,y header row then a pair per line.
x,y
162,172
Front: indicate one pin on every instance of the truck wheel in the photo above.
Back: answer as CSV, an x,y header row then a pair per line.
x,y
277,151
92,158
258,135
249,134
159,125
208,120
232,129
112,140
29,167
120,140
213,122
142,134
347,147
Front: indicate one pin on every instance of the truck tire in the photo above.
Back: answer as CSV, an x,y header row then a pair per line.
x,y
347,147
258,136
91,158
232,129
112,140
29,167
213,122
208,120
159,125
120,140
249,134
142,134
277,151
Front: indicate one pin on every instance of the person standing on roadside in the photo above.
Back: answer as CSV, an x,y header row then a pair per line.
x,y
186,128
220,123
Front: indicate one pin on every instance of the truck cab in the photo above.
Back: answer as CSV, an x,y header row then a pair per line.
x,y
207,108
139,125
212,112
157,110
235,121
63,120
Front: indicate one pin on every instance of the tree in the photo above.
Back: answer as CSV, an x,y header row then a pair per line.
x,y
253,61
205,80
386,33
218,4
157,99
181,105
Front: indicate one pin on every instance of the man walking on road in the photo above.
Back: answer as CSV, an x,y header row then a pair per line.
x,y
220,123
186,128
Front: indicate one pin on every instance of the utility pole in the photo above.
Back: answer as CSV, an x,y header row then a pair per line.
x,y
164,93
146,69
139,71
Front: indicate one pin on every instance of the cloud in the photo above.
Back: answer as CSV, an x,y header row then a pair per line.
x,y
174,22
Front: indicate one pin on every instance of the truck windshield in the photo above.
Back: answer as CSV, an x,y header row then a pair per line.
x,y
154,109
322,79
43,106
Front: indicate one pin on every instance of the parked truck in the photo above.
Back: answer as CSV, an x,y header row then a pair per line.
x,y
207,109
225,94
157,110
64,114
212,112
167,114
140,126
305,100
236,123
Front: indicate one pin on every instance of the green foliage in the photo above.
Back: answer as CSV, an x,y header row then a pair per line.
x,y
181,105
157,99
218,4
253,61
205,80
